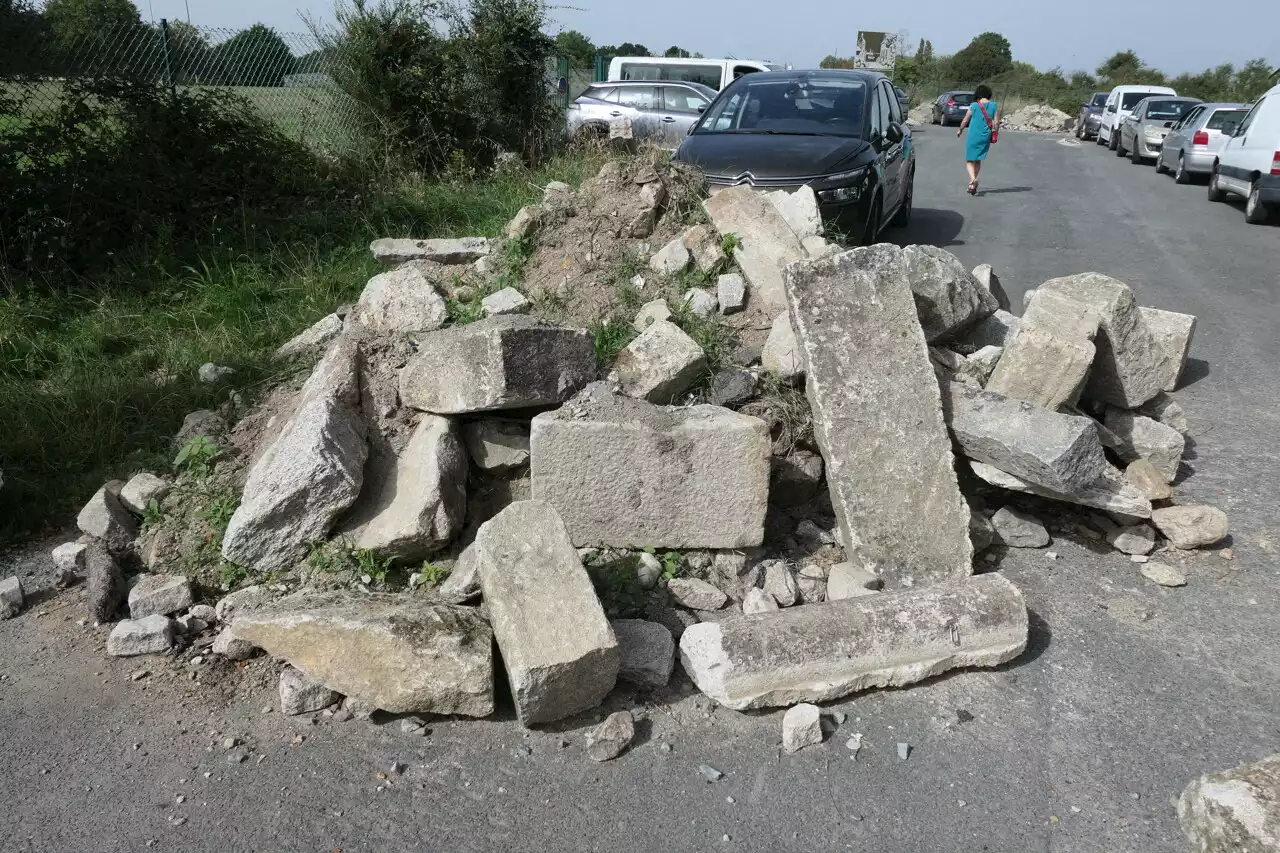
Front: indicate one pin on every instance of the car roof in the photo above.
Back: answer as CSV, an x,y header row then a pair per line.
x,y
1226,105
689,83
804,73
1135,87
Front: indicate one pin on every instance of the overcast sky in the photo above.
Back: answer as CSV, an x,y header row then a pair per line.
x,y
1173,35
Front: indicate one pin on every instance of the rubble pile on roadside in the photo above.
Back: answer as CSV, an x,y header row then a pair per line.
x,y
1039,118
799,524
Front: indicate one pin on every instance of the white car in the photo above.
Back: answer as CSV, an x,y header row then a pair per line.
x,y
714,73
1120,103
1249,164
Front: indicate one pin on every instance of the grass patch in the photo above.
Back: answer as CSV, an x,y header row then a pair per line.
x,y
610,337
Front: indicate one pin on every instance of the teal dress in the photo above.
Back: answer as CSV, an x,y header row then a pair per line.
x,y
978,142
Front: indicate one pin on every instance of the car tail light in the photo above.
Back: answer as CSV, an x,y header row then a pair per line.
x,y
951,102
1275,163
1201,138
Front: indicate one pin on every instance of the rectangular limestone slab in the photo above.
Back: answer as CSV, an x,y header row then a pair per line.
x,y
766,242
446,250
626,473
878,417
1110,491
560,653
1060,452
1049,358
822,652
1174,332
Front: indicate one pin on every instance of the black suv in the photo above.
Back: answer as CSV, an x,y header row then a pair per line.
x,y
840,132
1090,115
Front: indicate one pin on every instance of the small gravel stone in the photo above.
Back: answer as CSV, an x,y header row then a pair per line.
x,y
611,738
904,750
710,773
1163,575
801,727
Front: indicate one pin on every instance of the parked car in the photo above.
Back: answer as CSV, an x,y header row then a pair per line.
x,y
951,106
1194,140
904,100
715,73
1090,116
1143,131
1249,163
660,113
1120,102
841,132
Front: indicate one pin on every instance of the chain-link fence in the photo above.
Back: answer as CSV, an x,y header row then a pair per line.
x,y
284,76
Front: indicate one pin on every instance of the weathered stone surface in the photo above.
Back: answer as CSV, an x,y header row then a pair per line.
x,y
1163,575
312,338
732,387
1191,526
816,654
1144,438
987,279
210,373
105,518
1019,529
758,601
302,695
451,251
801,727
625,473
1149,480
981,364
1109,492
731,293
401,654
819,247
948,298
232,647
505,301
795,478
12,597
651,313
1043,367
982,533
201,422
877,414
311,473
646,650
1236,811
105,588
800,210
704,246
994,331
242,600
612,737
700,303
660,364
463,583
159,595
1060,452
671,259
497,445
70,557
525,223
1137,539
766,243
781,355
1061,314
560,653
1129,367
401,300
420,505
695,594
1164,409
141,490
506,362
1173,331
845,580
780,583
152,635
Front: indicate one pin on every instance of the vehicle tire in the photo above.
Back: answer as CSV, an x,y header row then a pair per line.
x,y
1216,193
1134,157
1097,138
1161,168
1182,176
902,218
1255,212
1113,139
1080,130
871,233
1119,147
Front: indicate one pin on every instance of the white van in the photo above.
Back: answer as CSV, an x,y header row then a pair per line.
x,y
1120,103
1249,164
716,73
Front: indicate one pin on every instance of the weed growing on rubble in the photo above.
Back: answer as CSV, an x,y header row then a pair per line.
x,y
370,566
610,337
197,457
432,574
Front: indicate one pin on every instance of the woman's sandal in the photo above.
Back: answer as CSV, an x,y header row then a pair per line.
x,y
973,188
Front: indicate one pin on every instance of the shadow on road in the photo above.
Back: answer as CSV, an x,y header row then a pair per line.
x,y
1196,369
1003,190
931,227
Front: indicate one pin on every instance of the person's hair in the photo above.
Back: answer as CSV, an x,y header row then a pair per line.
x,y
983,91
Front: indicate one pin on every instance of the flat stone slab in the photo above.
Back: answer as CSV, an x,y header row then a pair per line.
x,y
449,251
823,652
504,362
626,473
781,355
404,299
505,301
560,653
159,595
1236,811
318,335
497,445
766,243
660,364
948,298
401,654
878,415
1173,331
152,635
1111,491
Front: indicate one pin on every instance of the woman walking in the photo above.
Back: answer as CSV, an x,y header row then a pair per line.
x,y
983,121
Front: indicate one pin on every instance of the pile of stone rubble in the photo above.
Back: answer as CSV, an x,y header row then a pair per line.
x,y
1039,118
779,569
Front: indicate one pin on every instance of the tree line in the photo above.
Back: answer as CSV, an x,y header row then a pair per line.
x,y
582,53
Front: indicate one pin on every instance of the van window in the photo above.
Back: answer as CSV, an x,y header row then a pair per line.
x,y
1129,100
742,70
707,75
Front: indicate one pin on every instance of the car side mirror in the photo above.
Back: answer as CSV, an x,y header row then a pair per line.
x,y
703,108
1168,124
894,134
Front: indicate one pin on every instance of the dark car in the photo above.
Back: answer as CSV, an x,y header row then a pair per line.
x,y
904,100
951,107
840,132
1091,115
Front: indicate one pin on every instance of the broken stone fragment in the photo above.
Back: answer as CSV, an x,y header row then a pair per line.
x,y
660,364
948,298
819,247
801,727
700,303
1019,529
312,338
987,279
241,600
646,650
817,654
1163,575
731,293
12,598
141,490
695,594
404,299
1144,438
781,355
525,223
1236,811
232,647
1109,492
70,557
766,243
302,695
612,737
1142,474
800,210
505,301
1191,526
496,445
159,594
980,364
981,532
506,362
399,653
1164,409
1138,539
449,251
780,583
704,245
877,414
651,313
560,654
732,387
625,473
105,588
997,330
1173,332
758,601
105,518
1042,366
463,583
152,635
671,259
845,580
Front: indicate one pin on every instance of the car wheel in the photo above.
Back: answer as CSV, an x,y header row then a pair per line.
x,y
1113,139
1080,130
1216,193
1097,138
1161,168
1255,212
902,218
1119,146
1182,176
872,232
1134,157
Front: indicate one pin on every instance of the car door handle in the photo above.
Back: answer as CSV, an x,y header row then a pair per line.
x,y
615,113
668,119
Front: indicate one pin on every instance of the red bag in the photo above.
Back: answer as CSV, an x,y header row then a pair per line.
x,y
995,131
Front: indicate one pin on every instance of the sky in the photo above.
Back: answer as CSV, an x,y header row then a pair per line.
x,y
1078,35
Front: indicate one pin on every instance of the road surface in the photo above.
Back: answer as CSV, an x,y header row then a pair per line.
x,y
1127,693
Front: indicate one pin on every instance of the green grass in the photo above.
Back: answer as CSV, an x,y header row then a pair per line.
x,y
94,383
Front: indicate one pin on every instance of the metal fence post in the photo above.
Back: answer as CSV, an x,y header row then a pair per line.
x,y
599,76
168,60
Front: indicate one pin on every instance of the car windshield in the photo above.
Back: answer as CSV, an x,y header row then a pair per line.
x,y
1165,110
962,98
807,106
1099,100
1221,117
1131,99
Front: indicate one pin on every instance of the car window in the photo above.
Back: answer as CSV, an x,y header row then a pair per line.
x,y
1248,120
1129,100
743,70
639,97
1099,99
877,125
602,93
895,106
681,100
885,99
810,104
962,99
1166,110
1221,117
1189,119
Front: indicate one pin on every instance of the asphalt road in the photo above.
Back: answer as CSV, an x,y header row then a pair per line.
x,y
1128,692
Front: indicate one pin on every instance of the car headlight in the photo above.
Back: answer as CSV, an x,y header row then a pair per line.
x,y
854,181
840,195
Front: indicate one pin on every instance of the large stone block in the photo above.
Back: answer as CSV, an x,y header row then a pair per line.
x,y
448,250
152,635
948,298
159,595
560,653
625,473
401,654
1174,332
104,517
647,652
994,331
311,473
141,490
1060,452
1049,358
660,364
1129,368
1145,438
766,243
1111,491
505,362
800,210
404,299
1237,811
823,652
877,415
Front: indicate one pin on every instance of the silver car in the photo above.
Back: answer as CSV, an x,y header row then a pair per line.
x,y
1143,131
1194,141
661,111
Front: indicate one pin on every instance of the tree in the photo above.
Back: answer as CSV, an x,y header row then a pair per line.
x,y
188,53
1126,68
1254,78
625,49
675,52
577,48
22,38
97,35
986,56
253,57
838,62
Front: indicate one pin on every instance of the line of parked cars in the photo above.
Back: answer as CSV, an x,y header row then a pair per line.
x,y
1235,148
